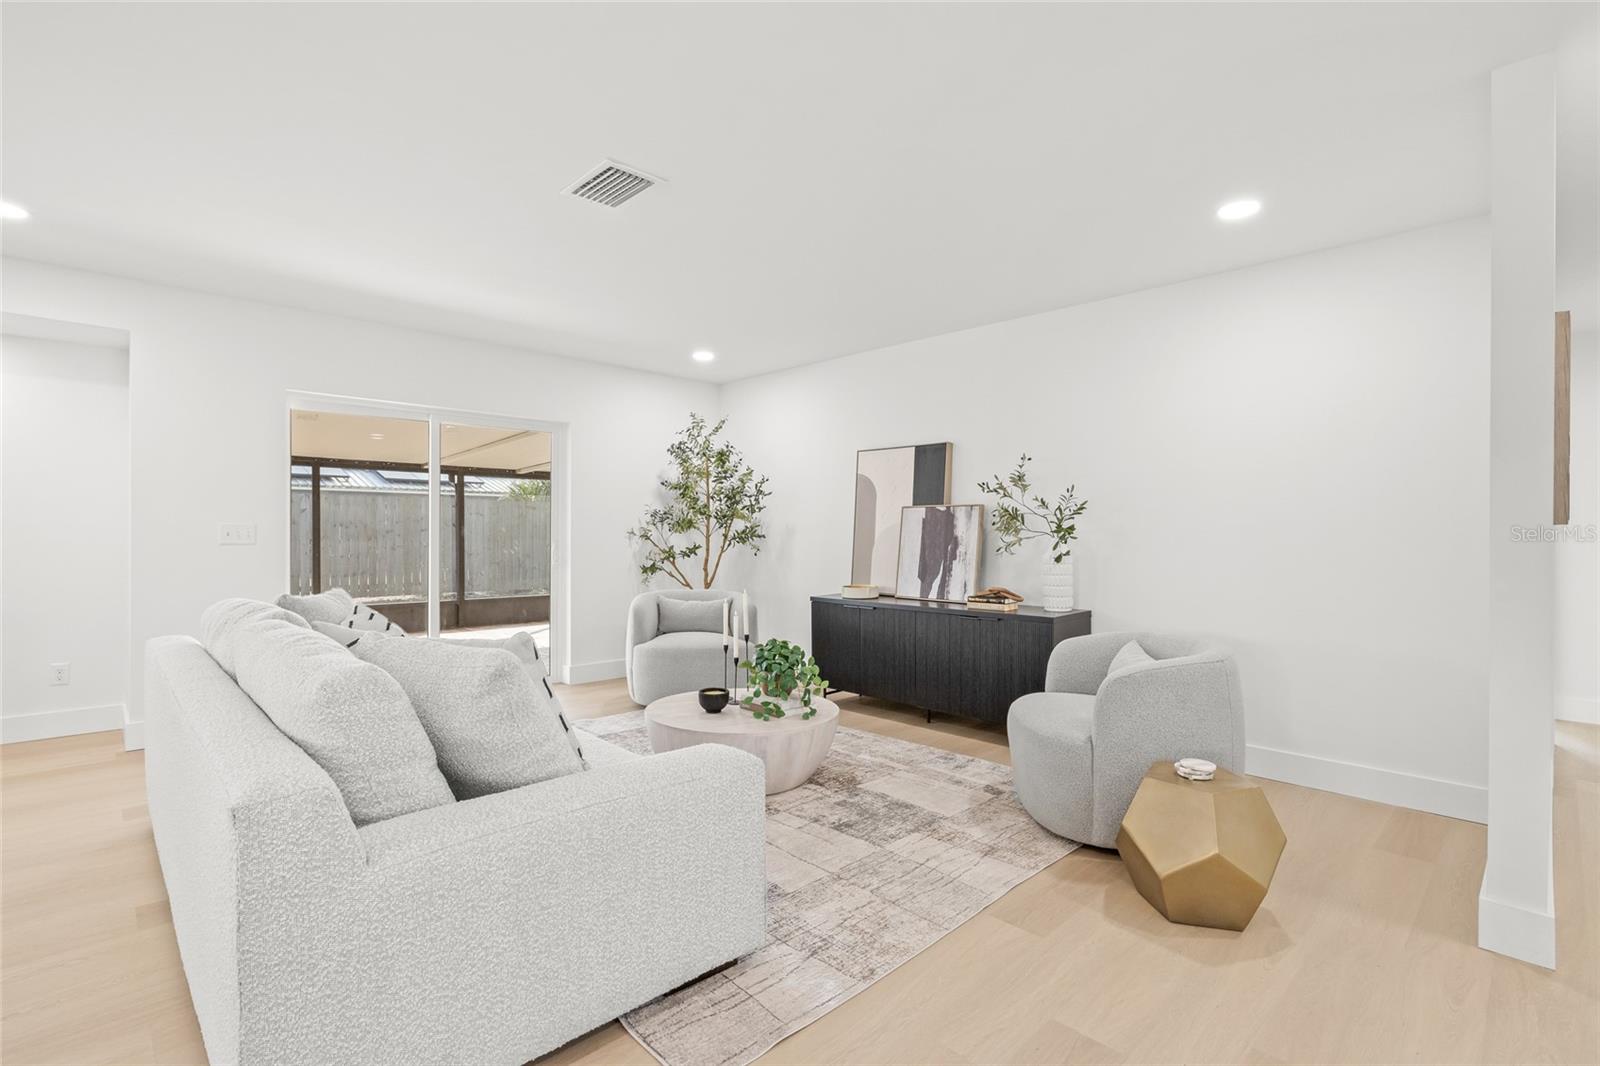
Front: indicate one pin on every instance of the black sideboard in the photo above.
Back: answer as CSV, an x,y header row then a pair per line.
x,y
937,656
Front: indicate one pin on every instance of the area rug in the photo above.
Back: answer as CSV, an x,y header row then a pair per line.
x,y
887,848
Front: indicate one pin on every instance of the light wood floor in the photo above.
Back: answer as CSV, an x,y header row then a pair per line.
x,y
1363,951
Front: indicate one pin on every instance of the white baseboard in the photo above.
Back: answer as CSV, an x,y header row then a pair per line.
x,y
42,725
1507,929
1573,709
1450,798
132,734
605,670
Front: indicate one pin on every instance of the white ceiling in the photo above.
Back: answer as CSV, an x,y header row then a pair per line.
x,y
840,177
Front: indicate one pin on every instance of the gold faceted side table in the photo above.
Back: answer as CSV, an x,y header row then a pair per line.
x,y
1202,852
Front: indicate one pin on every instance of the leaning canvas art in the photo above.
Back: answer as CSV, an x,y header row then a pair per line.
x,y
939,552
887,480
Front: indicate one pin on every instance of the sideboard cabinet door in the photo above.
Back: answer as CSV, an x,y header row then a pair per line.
x,y
836,644
888,648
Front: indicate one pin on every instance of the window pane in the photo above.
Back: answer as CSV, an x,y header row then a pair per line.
x,y
371,505
498,482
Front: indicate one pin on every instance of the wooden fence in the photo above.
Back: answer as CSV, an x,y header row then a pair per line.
x,y
375,544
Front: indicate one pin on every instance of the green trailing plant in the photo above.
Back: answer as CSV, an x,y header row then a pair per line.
x,y
777,672
714,503
529,489
1016,516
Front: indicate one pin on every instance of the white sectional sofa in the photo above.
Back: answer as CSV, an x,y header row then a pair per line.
x,y
485,931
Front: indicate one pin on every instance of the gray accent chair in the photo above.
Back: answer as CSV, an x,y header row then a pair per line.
x,y
659,664
1080,748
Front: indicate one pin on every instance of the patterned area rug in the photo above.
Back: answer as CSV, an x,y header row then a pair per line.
x,y
887,848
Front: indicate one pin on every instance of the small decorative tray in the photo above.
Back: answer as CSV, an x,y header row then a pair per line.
x,y
859,592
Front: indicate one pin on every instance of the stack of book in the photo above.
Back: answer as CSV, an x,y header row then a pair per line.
x,y
994,599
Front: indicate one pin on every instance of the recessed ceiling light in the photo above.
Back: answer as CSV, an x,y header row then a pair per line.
x,y
12,212
375,436
703,356
1239,210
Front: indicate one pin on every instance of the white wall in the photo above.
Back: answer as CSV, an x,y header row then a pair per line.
x,y
1292,456
1577,557
208,382
64,545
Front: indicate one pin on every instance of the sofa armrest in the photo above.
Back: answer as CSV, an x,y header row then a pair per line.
x,y
1079,664
452,833
546,911
644,623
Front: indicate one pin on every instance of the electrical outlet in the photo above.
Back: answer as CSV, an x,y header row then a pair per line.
x,y
61,673
236,533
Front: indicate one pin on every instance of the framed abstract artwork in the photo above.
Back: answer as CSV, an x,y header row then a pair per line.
x,y
887,481
939,551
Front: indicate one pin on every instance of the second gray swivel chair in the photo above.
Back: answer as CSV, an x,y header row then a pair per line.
x,y
1080,748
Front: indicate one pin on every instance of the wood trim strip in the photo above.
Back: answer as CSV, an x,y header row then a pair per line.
x,y
1562,507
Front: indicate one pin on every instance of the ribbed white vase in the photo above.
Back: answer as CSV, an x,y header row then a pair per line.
x,y
1057,585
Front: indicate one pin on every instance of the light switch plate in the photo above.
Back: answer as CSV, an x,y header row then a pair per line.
x,y
236,533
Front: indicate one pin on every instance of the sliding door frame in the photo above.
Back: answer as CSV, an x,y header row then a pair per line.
x,y
437,418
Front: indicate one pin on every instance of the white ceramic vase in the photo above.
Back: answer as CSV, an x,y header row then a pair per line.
x,y
1057,594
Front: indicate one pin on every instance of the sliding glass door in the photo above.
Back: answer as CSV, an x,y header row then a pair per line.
x,y
495,512
375,499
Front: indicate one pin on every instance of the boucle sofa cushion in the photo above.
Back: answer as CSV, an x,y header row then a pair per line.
x,y
1129,655
492,725
519,644
690,616
351,717
335,606
220,625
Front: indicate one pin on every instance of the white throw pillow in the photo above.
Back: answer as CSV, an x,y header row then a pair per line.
x,y
492,725
353,718
365,619
331,606
343,634
1130,655
554,704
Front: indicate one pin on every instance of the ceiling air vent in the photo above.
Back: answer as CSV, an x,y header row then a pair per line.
x,y
611,184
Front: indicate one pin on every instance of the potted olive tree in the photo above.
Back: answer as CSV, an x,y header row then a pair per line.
x,y
1017,516
714,501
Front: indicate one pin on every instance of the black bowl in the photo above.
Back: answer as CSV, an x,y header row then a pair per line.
x,y
712,700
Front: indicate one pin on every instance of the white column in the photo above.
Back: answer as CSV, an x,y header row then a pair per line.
x,y
1516,905
435,526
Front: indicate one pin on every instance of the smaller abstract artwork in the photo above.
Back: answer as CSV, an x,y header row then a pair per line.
x,y
939,552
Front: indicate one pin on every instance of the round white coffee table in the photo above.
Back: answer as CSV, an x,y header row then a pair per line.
x,y
792,747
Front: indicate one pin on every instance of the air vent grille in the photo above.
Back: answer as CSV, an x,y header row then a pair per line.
x,y
611,184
